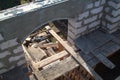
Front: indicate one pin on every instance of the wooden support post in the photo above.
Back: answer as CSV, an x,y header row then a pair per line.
x,y
74,54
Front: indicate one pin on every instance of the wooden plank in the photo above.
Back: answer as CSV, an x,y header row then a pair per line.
x,y
74,54
48,45
50,59
103,59
57,70
39,75
37,54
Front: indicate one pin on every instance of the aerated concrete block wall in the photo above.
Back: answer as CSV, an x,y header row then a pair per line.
x,y
111,17
87,21
11,54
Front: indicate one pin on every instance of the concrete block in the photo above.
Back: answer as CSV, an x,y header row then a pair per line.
x,y
112,26
18,50
100,15
112,4
97,3
75,24
94,24
97,10
71,34
103,23
4,54
1,38
21,62
15,58
112,19
107,9
83,15
8,44
116,12
81,30
91,19
3,71
89,6
1,65
70,40
103,2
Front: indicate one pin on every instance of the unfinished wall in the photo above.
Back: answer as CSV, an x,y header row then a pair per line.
x,y
111,18
87,21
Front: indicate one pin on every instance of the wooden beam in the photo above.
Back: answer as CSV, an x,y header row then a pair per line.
x,y
48,45
50,59
74,54
103,59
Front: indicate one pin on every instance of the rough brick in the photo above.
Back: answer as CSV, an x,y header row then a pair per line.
x,y
91,19
1,65
2,70
94,24
89,6
97,3
84,15
97,10
116,12
103,2
9,43
1,37
15,58
21,62
18,50
4,54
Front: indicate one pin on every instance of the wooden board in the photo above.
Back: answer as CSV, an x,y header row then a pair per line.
x,y
59,69
103,59
37,54
74,54
51,59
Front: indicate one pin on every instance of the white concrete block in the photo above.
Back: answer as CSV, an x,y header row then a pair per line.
x,y
113,4
89,6
21,62
15,58
81,30
75,24
116,12
83,15
3,71
8,44
71,34
4,54
112,19
1,38
103,2
91,19
94,24
112,26
1,65
97,10
97,3
103,23
70,40
18,50
107,9
100,15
